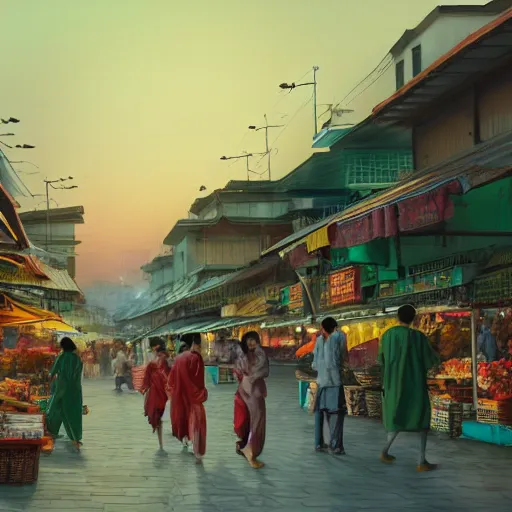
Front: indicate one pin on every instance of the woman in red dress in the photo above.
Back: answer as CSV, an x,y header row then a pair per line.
x,y
153,387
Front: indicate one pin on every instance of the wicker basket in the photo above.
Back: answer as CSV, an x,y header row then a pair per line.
x,y
374,403
369,377
446,416
355,399
19,461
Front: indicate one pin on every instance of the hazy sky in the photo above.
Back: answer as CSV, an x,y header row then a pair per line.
x,y
138,99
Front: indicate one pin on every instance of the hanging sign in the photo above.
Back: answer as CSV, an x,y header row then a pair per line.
x,y
344,286
296,301
228,310
285,296
273,294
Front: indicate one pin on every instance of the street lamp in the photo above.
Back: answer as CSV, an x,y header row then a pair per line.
x,y
246,156
48,184
267,149
313,83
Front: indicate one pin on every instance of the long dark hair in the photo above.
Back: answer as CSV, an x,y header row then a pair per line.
x,y
67,345
251,334
243,345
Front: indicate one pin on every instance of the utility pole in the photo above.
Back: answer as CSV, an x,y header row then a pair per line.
x,y
267,148
314,84
315,69
48,184
246,156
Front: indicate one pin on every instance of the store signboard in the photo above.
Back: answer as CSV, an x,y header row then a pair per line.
x,y
285,296
456,276
228,310
494,287
344,286
273,294
296,300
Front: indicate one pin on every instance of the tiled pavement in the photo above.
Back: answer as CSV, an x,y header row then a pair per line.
x,y
118,470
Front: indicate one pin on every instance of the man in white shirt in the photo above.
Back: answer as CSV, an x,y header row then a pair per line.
x,y
120,367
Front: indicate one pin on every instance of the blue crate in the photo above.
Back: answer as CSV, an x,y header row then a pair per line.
x,y
494,434
303,392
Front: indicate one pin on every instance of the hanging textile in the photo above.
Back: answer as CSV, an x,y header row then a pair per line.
x,y
428,209
317,239
380,223
299,256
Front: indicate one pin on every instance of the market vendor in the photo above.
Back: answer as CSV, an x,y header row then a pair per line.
x,y
486,342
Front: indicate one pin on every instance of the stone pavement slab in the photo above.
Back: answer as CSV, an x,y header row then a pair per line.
x,y
119,469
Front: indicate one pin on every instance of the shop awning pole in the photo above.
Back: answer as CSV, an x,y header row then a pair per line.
x,y
308,295
474,358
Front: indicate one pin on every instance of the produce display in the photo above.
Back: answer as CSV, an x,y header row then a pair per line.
x,y
450,334
495,379
458,369
17,389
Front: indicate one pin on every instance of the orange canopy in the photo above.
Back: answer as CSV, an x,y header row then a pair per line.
x,y
14,313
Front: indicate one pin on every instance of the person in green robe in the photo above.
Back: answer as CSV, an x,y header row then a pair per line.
x,y
65,406
406,355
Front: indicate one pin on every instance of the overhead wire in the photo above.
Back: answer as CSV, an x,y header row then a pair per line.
x,y
370,84
369,75
292,118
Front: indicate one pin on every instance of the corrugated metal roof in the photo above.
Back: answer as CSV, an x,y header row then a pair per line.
x,y
478,53
328,137
149,302
34,273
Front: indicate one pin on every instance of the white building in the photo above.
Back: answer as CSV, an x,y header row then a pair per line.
x,y
415,51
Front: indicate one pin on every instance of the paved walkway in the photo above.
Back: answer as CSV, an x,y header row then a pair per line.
x,y
119,471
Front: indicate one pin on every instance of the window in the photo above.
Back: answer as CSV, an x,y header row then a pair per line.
x,y
416,60
399,74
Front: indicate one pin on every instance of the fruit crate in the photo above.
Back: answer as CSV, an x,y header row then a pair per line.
x,y
446,416
373,398
356,400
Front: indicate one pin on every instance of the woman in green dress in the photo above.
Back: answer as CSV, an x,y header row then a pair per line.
x,y
65,405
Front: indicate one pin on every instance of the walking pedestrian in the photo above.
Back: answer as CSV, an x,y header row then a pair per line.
x,y
252,369
406,355
187,390
329,356
122,369
154,391
65,406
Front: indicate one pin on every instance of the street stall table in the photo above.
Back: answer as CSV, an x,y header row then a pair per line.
x,y
22,437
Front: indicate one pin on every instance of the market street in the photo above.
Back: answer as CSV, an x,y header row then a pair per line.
x,y
118,470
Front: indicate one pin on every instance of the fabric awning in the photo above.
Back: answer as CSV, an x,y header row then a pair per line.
x,y
13,313
59,326
420,201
